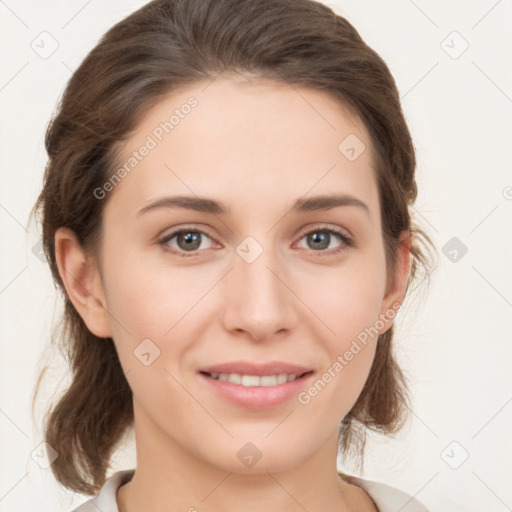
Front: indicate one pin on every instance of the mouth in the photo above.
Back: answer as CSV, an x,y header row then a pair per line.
x,y
256,387
248,380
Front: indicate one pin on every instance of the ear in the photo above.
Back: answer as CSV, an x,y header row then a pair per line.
x,y
396,290
82,281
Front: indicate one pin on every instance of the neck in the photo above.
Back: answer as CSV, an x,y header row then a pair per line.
x,y
169,478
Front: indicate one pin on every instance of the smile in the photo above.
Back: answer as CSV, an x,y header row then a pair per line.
x,y
255,380
256,392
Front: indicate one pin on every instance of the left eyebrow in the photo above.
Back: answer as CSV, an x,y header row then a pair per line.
x,y
206,205
327,202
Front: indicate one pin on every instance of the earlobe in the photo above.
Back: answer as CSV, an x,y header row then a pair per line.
x,y
82,282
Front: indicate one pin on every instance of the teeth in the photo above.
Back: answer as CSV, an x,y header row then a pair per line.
x,y
250,380
254,380
282,378
234,378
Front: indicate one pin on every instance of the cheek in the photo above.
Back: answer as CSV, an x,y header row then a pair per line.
x,y
348,300
349,304
150,318
146,311
149,299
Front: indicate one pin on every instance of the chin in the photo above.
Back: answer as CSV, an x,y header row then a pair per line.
x,y
260,455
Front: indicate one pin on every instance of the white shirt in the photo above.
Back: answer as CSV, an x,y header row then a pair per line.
x,y
386,498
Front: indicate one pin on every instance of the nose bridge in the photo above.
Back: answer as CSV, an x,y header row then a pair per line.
x,y
257,300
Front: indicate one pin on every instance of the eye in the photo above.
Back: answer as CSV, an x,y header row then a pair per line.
x,y
320,239
187,240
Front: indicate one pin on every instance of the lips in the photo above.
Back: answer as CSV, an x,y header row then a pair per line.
x,y
250,368
257,397
239,386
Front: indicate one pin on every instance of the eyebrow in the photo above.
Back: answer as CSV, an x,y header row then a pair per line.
x,y
206,205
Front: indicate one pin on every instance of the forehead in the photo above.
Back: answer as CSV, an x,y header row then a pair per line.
x,y
253,140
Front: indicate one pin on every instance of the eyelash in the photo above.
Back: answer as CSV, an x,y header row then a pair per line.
x,y
347,241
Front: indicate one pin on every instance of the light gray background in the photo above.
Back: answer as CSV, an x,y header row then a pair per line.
x,y
456,341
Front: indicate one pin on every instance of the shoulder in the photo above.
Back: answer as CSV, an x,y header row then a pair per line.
x,y
386,497
106,500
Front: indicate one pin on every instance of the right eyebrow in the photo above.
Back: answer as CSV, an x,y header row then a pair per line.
x,y
198,204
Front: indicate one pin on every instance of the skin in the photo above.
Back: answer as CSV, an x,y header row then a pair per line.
x,y
257,146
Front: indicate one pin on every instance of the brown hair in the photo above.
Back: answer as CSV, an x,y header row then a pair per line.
x,y
162,46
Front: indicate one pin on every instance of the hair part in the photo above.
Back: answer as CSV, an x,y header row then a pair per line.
x,y
158,49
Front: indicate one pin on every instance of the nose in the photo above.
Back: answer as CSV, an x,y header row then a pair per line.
x,y
258,301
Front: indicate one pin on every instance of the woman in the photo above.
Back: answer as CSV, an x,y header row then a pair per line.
x,y
200,153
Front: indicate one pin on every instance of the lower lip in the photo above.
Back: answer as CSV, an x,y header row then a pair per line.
x,y
258,397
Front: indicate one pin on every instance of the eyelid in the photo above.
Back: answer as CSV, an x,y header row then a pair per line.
x,y
343,233
346,237
325,227
164,239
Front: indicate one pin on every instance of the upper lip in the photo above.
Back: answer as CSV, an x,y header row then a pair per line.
x,y
250,368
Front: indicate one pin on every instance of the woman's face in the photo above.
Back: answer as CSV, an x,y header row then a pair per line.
x,y
253,276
